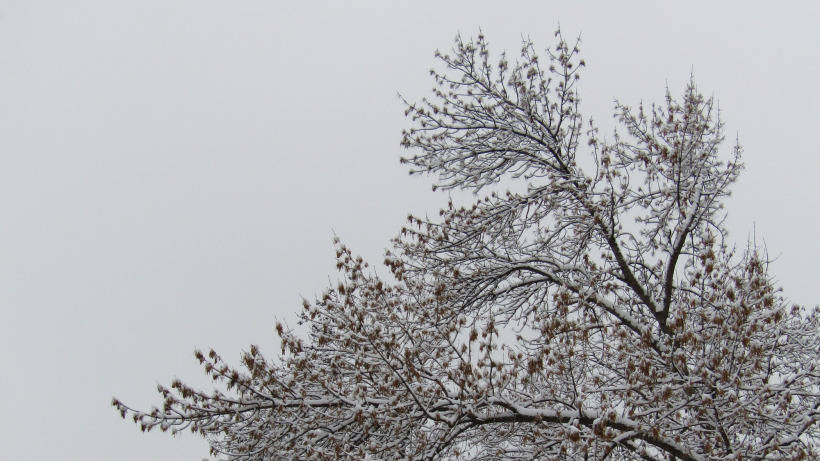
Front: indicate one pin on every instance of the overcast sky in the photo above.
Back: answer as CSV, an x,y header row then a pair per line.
x,y
172,172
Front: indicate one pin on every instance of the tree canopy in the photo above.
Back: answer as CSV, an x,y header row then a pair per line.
x,y
597,311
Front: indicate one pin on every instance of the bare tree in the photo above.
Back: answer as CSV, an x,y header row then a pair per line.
x,y
597,314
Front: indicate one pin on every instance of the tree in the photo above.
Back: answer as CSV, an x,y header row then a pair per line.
x,y
597,313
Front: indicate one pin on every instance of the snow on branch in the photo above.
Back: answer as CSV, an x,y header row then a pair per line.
x,y
592,315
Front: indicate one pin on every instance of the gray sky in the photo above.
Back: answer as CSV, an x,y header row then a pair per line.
x,y
172,172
